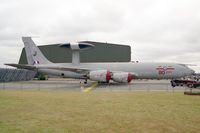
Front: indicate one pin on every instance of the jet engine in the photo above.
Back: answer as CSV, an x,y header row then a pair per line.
x,y
100,75
122,77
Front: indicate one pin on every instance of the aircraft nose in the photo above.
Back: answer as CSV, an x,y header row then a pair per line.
x,y
192,71
189,71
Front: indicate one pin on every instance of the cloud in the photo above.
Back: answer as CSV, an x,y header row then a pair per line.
x,y
166,30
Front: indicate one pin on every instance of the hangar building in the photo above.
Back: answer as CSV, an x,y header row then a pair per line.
x,y
102,52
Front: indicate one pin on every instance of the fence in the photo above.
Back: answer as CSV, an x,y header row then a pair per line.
x,y
9,75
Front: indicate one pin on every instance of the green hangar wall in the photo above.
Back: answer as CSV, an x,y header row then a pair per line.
x,y
102,52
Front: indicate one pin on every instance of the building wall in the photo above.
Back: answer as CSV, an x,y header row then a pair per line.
x,y
102,52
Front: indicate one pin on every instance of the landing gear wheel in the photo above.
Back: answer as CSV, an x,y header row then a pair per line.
x,y
190,85
85,82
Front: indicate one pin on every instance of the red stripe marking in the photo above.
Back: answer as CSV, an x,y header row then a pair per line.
x,y
108,76
129,77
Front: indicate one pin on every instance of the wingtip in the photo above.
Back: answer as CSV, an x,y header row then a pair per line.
x,y
9,64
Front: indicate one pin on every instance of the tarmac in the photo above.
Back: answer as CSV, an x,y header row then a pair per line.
x,y
75,85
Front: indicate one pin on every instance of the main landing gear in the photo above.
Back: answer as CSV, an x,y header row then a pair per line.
x,y
85,81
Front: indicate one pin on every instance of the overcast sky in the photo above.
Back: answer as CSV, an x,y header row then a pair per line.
x,y
157,30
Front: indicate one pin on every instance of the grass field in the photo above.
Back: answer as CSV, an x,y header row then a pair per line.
x,y
98,112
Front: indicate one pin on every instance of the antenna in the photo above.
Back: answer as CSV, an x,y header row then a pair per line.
x,y
76,48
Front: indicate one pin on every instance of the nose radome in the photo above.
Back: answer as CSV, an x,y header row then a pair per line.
x,y
187,71
192,71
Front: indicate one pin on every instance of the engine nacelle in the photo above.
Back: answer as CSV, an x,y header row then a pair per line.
x,y
122,77
100,75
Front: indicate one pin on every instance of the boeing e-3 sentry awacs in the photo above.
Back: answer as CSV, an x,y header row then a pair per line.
x,y
101,72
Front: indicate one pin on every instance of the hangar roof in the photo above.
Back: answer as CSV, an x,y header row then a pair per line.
x,y
102,52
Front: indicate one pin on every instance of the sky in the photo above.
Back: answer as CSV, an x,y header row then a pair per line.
x,y
156,30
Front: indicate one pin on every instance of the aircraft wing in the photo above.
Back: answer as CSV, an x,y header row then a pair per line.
x,y
87,70
32,67
72,69
21,66
61,68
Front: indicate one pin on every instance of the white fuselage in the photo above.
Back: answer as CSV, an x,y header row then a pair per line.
x,y
142,70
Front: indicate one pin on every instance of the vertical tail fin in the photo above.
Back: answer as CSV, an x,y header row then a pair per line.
x,y
33,53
